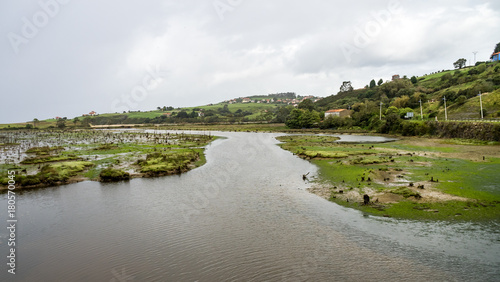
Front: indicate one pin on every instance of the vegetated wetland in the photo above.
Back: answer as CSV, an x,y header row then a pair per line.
x,y
47,158
412,178
244,215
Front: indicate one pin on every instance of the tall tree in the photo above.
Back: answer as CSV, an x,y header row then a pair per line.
x,y
61,123
346,87
380,82
372,83
182,114
414,80
307,104
294,118
497,48
460,63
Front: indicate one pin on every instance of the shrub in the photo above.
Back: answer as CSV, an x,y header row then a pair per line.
x,y
409,128
422,128
112,175
461,100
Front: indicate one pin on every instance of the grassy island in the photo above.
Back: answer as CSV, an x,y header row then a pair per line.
x,y
412,178
50,157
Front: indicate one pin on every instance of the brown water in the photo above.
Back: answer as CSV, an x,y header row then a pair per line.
x,y
244,216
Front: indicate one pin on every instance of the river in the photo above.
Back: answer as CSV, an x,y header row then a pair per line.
x,y
244,216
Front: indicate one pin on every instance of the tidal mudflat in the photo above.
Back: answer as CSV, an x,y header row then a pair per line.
x,y
413,178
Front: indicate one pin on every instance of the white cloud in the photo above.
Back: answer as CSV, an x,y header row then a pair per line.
x,y
91,53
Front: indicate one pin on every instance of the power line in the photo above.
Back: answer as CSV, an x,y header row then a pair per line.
x,y
475,52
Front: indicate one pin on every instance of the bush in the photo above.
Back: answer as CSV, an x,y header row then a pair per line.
x,y
409,128
461,100
473,71
422,128
28,180
112,175
333,122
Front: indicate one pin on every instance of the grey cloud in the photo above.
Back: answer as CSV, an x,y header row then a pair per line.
x,y
91,53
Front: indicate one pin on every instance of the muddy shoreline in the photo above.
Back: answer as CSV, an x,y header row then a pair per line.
x,y
413,178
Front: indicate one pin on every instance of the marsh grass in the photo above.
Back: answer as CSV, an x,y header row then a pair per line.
x,y
391,167
47,158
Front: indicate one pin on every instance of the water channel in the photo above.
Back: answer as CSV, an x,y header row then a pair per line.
x,y
244,216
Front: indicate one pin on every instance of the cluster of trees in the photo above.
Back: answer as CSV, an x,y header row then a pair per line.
x,y
302,118
372,83
165,108
284,95
398,97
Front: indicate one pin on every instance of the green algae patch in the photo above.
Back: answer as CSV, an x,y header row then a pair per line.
x,y
412,178
72,156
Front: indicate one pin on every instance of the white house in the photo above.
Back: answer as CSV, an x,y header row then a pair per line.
x,y
338,113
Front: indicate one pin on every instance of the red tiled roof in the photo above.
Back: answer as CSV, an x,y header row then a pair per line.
x,y
336,111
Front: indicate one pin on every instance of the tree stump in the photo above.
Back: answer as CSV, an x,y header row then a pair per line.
x,y
366,199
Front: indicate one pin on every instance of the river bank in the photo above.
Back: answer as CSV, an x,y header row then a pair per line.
x,y
52,158
412,178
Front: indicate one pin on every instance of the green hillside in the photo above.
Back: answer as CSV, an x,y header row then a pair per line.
x,y
460,87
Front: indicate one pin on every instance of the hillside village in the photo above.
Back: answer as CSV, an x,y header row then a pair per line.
x,y
282,101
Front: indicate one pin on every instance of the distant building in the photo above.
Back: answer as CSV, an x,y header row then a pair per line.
x,y
495,57
338,113
409,115
395,77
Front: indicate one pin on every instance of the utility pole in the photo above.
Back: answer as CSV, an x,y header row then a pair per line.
x,y
481,102
445,112
381,110
421,113
475,52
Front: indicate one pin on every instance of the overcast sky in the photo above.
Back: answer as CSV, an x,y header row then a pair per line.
x,y
69,57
